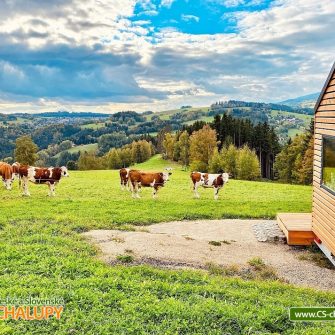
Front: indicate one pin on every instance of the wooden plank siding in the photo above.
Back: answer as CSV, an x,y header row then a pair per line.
x,y
323,215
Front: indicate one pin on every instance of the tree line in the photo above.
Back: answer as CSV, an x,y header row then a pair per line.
x,y
201,151
116,158
294,164
244,150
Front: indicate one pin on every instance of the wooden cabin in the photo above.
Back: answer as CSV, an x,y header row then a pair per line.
x,y
323,213
319,227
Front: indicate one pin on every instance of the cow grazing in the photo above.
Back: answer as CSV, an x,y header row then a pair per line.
x,y
124,178
49,176
140,179
16,170
6,173
208,180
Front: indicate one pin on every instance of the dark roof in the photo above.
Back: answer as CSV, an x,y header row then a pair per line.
x,y
324,88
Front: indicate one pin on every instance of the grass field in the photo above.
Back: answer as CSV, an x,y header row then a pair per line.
x,y
94,198
82,148
93,125
43,255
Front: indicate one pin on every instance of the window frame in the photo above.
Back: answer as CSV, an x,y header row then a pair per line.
x,y
322,185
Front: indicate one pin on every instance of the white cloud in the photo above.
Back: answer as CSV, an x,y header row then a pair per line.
x,y
189,18
233,3
167,3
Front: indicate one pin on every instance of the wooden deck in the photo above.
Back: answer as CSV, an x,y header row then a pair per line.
x,y
297,228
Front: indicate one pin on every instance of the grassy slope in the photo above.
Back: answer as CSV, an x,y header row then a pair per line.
x,y
43,255
295,131
93,125
86,147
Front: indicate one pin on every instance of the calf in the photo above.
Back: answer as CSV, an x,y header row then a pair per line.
x,y
124,178
208,180
147,179
6,172
49,176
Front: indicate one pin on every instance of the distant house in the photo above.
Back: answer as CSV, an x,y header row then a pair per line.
x,y
319,227
323,214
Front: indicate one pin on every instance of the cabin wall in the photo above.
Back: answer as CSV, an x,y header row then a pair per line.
x,y
323,216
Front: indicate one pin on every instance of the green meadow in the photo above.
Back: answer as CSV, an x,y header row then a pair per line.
x,y
94,199
44,255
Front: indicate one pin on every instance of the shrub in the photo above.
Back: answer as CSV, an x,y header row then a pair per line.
x,y
125,258
247,164
229,159
198,166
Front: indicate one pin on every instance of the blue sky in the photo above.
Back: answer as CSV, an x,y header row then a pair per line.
x,y
112,55
195,17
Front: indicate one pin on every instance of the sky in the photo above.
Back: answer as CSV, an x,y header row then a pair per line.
x,y
114,55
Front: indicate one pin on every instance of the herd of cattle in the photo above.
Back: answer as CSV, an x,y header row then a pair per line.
x,y
131,179
25,174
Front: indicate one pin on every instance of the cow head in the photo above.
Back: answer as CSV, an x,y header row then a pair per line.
x,y
225,177
8,184
166,176
64,171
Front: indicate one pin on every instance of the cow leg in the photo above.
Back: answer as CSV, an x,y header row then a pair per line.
x,y
25,187
51,189
195,188
154,193
127,184
134,190
216,193
122,185
138,187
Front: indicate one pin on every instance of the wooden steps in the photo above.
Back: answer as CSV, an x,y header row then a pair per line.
x,y
297,228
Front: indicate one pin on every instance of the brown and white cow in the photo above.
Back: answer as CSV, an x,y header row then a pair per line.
x,y
140,179
37,175
16,170
6,173
208,180
124,178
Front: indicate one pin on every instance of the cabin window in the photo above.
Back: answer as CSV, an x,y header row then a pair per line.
x,y
328,163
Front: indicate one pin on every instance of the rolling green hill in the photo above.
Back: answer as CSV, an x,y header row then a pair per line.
x,y
81,148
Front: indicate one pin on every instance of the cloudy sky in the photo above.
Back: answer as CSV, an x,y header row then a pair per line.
x,y
111,55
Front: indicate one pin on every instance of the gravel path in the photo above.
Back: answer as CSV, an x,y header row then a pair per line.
x,y
189,243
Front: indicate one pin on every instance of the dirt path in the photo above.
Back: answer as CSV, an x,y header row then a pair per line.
x,y
187,243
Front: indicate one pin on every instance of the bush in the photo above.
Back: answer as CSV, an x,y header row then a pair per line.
x,y
247,164
216,162
229,160
198,166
